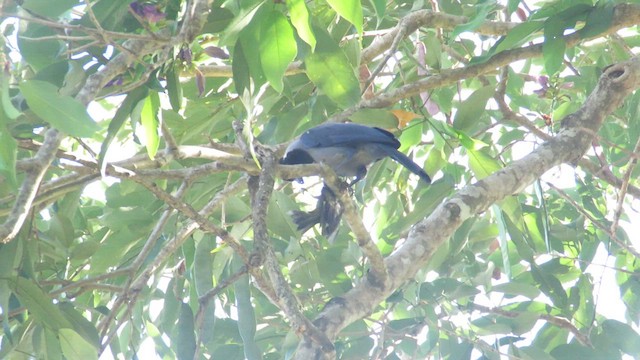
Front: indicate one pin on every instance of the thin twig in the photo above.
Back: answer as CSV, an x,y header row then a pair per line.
x,y
595,222
623,189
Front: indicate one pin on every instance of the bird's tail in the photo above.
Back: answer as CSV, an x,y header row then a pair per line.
x,y
327,213
405,161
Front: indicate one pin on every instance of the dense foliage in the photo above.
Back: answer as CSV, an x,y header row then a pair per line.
x,y
138,142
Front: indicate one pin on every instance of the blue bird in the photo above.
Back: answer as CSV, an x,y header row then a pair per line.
x,y
347,149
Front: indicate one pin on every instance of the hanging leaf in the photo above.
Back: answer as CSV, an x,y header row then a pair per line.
x,y
351,10
277,48
62,112
329,69
151,123
300,19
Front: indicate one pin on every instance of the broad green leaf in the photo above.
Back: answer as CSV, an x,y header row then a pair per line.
x,y
551,286
112,15
471,109
517,36
553,54
381,8
240,69
151,123
482,164
75,347
517,288
9,111
330,70
300,19
174,88
351,10
502,239
36,52
122,114
557,7
81,325
277,48
239,23
185,340
246,315
375,117
598,20
62,112
576,351
622,335
48,8
50,342
8,151
203,265
218,19
333,74
554,45
38,303
479,18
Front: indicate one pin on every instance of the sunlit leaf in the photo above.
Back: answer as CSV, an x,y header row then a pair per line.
x,y
351,10
300,19
151,123
277,47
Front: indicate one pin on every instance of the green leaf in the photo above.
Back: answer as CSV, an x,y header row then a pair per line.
x,y
150,123
299,15
8,151
351,10
39,304
517,288
332,73
277,47
246,315
81,325
380,7
622,335
502,238
478,19
9,111
330,70
36,52
239,23
577,351
375,117
62,112
174,88
218,19
554,8
482,164
471,108
203,265
48,8
598,20
517,36
75,347
186,340
240,69
553,54
122,114
112,15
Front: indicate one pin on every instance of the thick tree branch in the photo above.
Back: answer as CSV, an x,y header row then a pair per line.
x,y
578,130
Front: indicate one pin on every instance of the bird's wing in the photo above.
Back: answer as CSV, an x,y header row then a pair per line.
x,y
348,135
